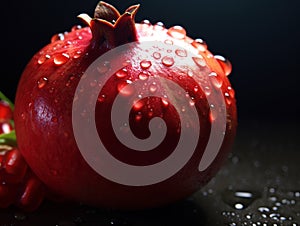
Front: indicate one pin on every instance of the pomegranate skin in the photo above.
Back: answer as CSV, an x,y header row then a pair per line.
x,y
43,121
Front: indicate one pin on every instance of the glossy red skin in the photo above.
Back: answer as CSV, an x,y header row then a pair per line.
x,y
43,120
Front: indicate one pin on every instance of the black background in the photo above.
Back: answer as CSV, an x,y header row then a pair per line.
x,y
260,37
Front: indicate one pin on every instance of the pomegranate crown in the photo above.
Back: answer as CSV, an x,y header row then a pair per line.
x,y
108,25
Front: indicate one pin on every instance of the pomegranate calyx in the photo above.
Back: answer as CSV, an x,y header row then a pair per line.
x,y
111,28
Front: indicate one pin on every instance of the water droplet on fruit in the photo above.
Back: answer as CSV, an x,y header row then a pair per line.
x,y
207,90
125,89
196,88
76,27
213,113
145,64
77,54
104,67
227,98
146,22
43,58
153,87
57,37
177,32
165,102
192,102
231,92
199,44
61,59
159,26
122,73
181,52
143,76
225,64
199,61
190,73
156,55
101,98
42,82
168,42
167,61
216,80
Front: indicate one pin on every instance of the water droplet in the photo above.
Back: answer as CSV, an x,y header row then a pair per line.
x,y
43,58
138,105
248,216
153,87
77,54
125,89
199,61
76,27
104,67
156,55
240,199
168,42
93,83
57,37
227,98
207,90
60,59
239,206
138,118
192,102
143,76
145,64
190,73
42,82
122,73
146,22
196,88
165,102
231,92
181,52
159,26
225,64
20,216
167,61
199,44
177,32
216,80
101,98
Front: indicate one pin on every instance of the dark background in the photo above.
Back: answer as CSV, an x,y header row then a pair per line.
x,y
260,37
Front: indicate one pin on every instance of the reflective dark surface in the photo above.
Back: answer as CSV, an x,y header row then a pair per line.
x,y
258,185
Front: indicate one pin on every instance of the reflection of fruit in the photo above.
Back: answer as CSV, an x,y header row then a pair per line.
x,y
43,114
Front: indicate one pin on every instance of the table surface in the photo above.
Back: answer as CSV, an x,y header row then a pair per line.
x,y
258,185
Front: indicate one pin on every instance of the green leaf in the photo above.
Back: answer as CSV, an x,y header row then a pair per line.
x,y
6,99
8,138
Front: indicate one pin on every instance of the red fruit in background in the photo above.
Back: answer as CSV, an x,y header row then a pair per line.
x,y
5,111
45,95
